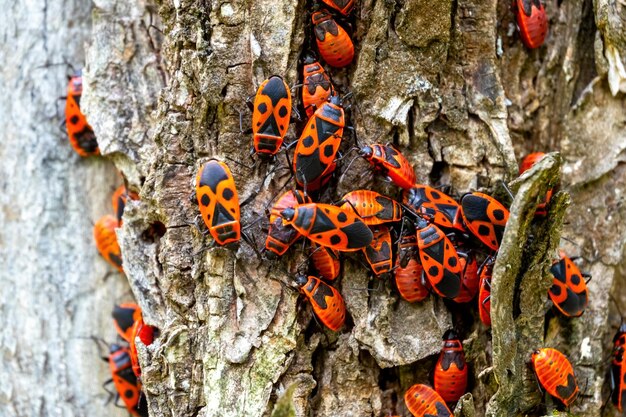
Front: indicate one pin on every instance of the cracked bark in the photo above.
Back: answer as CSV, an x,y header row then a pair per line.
x,y
451,84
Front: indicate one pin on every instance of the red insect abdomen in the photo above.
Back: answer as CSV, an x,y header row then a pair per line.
x,y
333,41
409,281
533,28
451,369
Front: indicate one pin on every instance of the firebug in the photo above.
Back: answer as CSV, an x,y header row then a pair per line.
x,y
80,133
389,162
532,22
555,374
451,369
333,42
329,226
106,240
219,202
423,401
327,303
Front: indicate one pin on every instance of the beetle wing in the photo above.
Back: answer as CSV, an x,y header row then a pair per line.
x,y
219,202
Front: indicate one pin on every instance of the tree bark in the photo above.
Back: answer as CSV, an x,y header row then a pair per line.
x,y
55,291
451,84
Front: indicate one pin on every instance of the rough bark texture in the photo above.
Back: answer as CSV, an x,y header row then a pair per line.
x,y
447,81
55,291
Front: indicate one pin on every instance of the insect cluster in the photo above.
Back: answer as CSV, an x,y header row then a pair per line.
x,y
426,241
123,361
127,317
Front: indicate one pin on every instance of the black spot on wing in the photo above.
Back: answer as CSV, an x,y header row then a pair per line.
x,y
87,139
275,89
74,119
309,168
558,270
359,235
221,215
128,375
442,411
555,290
387,208
326,129
566,391
322,223
329,150
450,284
212,174
475,208
115,259
123,316
435,251
322,291
450,357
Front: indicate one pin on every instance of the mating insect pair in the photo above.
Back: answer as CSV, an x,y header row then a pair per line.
x,y
122,360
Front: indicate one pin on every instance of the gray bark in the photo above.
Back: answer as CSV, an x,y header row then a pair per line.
x,y
450,83
55,290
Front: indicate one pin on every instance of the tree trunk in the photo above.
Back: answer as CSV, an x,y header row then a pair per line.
x,y
55,291
449,82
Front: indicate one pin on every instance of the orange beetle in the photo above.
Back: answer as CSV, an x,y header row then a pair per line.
x,y
451,369
317,88
484,292
342,6
126,384
271,115
389,162
326,261
81,135
440,208
378,253
439,259
569,290
618,368
485,217
555,374
530,160
328,304
329,226
145,333
469,277
423,401
372,208
106,241
316,151
532,22
333,41
219,202
124,316
280,237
